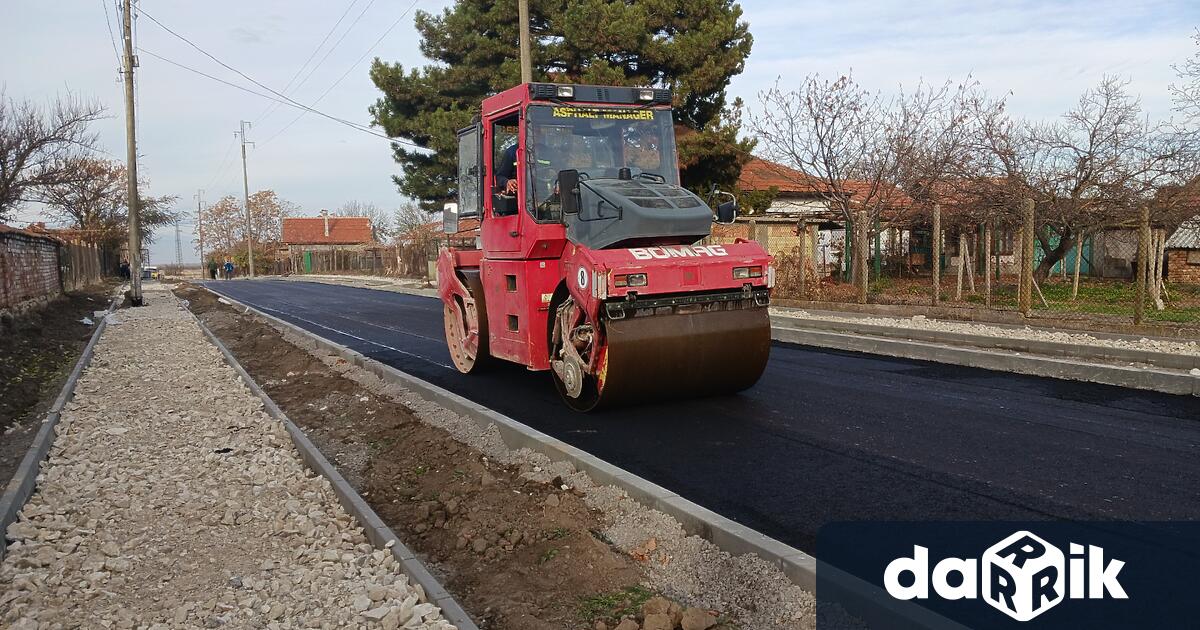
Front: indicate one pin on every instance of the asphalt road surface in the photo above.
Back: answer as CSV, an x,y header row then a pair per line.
x,y
825,436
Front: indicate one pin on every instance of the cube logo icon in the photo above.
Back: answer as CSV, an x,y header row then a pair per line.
x,y
1023,576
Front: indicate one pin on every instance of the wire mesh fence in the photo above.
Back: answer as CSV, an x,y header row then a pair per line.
x,y
1006,267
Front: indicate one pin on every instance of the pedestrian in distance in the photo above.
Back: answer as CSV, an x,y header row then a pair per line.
x,y
124,269
228,269
212,269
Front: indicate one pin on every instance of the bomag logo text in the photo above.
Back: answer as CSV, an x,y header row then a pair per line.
x,y
1022,576
647,253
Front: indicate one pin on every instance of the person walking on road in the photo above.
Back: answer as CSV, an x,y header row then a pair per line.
x,y
212,269
228,269
124,269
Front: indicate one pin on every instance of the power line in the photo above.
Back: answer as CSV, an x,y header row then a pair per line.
x,y
288,102
272,107
336,44
221,168
112,38
239,72
347,72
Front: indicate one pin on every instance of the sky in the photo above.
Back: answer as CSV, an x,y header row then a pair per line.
x,y
1042,54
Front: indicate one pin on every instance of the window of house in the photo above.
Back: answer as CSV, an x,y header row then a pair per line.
x,y
1193,257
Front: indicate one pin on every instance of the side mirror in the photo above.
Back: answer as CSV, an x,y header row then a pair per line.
x,y
726,210
450,218
568,191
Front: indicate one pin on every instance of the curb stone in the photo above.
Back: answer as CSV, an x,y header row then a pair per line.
x,y
380,535
858,597
1160,380
1032,346
24,481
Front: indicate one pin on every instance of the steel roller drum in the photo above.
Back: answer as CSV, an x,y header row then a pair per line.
x,y
683,356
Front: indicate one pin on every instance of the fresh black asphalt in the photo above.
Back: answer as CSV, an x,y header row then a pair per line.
x,y
825,436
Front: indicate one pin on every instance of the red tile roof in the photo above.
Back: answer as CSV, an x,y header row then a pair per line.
x,y
760,174
342,231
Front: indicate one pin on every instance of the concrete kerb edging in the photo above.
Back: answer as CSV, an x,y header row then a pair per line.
x,y
380,535
1034,346
863,598
1061,368
22,485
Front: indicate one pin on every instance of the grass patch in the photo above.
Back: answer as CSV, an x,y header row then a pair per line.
x,y
613,606
557,533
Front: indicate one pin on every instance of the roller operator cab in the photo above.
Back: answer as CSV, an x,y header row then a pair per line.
x,y
589,260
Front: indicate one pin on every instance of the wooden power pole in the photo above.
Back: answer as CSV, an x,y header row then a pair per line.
x,y
526,62
246,199
135,234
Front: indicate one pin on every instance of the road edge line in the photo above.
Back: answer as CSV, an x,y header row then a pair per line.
x,y
726,534
24,481
376,531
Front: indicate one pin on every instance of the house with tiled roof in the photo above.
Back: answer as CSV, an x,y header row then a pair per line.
x,y
326,231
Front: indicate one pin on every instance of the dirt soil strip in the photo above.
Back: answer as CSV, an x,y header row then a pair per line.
x,y
21,482
37,352
522,542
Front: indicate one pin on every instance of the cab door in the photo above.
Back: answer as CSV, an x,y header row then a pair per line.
x,y
505,157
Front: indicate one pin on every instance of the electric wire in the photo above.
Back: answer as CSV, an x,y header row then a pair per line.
x,y
270,109
348,70
335,44
112,38
288,102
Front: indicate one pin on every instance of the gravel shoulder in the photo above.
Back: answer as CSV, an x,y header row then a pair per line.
x,y
1188,347
521,542
171,499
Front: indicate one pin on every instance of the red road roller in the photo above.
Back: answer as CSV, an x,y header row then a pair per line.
x,y
590,260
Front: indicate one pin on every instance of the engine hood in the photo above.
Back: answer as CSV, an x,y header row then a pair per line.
x,y
633,212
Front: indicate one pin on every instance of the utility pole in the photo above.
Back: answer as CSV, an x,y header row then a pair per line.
x,y
200,225
526,64
178,246
246,198
135,234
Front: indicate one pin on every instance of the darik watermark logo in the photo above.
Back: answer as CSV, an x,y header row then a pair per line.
x,y
1022,575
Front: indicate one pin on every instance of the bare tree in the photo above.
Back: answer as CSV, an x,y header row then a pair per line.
x,y
1187,93
856,148
37,145
1095,166
381,223
410,220
92,197
225,226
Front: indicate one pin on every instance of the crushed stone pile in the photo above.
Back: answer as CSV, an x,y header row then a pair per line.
x,y
171,499
920,322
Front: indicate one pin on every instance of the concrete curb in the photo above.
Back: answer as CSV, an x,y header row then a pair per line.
x,y
24,481
344,281
1170,382
1033,346
980,315
380,535
728,535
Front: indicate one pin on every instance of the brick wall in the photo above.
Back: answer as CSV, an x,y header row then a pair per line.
x,y
1178,269
29,273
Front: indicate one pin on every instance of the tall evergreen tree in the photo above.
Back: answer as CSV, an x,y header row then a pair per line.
x,y
693,47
